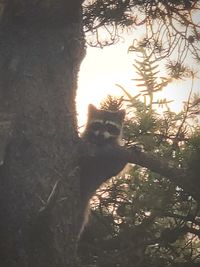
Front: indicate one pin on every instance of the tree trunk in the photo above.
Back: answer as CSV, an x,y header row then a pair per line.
x,y
40,53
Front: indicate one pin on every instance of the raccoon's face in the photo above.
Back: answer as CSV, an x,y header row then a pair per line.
x,y
103,126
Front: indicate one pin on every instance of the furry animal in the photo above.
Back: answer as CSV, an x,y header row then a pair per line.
x,y
103,127
103,135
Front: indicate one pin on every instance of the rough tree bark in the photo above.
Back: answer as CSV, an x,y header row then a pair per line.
x,y
41,48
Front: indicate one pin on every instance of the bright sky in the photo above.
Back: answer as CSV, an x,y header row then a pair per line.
x,y
103,68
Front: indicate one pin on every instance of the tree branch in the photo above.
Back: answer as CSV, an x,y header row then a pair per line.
x,y
183,178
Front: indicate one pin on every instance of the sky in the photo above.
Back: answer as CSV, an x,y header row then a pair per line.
x,y
102,69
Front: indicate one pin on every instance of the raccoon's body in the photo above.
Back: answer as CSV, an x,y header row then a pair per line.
x,y
103,132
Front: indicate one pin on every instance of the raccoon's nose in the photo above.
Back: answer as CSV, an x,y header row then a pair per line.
x,y
100,135
106,135
97,133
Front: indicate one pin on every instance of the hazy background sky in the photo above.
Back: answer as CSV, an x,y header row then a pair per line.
x,y
102,69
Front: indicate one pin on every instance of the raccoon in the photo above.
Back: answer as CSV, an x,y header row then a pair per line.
x,y
103,126
103,133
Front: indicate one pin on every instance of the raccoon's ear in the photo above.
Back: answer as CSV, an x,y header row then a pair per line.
x,y
91,109
122,114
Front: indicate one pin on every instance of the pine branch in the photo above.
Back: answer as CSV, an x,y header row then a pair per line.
x,y
183,178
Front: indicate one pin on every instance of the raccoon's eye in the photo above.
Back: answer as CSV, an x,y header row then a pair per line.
x,y
95,126
112,129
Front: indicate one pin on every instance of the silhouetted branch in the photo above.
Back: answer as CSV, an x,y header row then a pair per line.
x,y
183,178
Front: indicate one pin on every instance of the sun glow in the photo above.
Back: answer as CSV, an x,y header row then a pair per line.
x,y
100,71
103,68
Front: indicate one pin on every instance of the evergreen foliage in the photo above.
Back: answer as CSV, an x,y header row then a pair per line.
x,y
140,218
171,28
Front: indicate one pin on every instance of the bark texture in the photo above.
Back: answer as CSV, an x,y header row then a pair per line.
x,y
41,49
